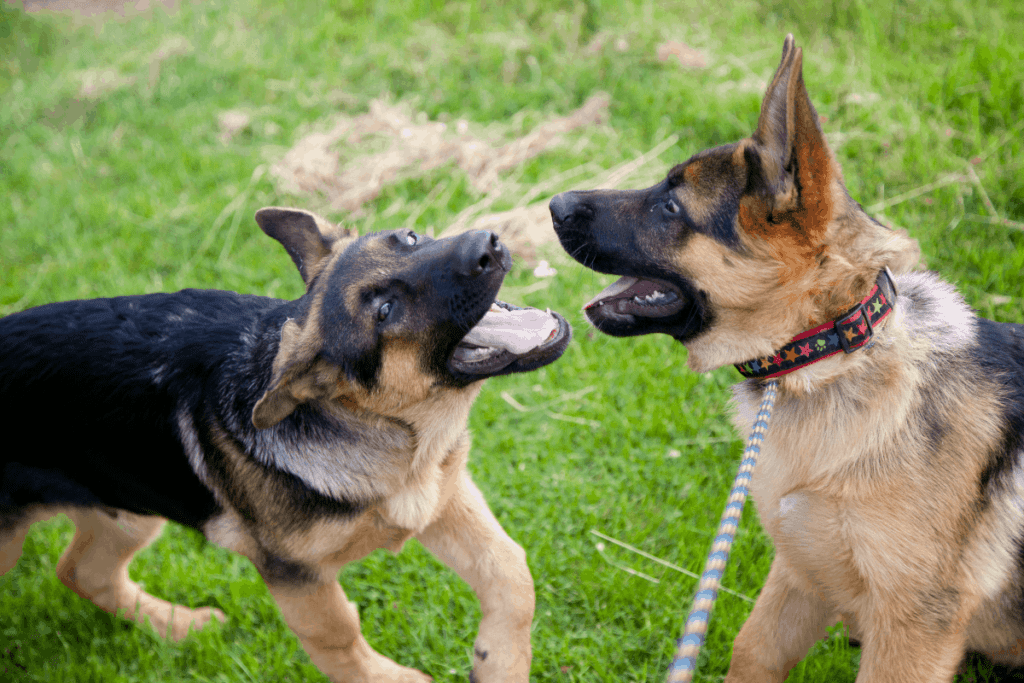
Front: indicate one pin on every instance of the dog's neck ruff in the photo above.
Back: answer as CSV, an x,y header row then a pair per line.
x,y
845,334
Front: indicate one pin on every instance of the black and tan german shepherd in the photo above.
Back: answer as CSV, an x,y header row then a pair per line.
x,y
302,434
891,478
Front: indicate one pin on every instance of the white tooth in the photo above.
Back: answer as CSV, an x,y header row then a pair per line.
x,y
620,285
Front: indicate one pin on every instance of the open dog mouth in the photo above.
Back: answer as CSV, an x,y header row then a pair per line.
x,y
631,296
511,339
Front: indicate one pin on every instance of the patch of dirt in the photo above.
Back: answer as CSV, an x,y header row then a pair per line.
x,y
97,8
333,165
411,145
687,57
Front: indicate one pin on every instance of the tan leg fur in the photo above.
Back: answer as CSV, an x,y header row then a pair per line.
x,y
95,566
327,625
468,538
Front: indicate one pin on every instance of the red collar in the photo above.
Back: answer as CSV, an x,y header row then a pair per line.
x,y
847,333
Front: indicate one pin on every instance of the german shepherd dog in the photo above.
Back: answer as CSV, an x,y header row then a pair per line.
x,y
302,434
891,478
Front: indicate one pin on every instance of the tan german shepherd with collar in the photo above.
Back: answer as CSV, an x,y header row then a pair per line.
x,y
891,478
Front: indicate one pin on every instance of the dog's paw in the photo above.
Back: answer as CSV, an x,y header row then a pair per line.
x,y
376,668
179,621
204,615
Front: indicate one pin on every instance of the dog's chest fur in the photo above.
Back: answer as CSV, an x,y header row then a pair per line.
x,y
404,467
855,481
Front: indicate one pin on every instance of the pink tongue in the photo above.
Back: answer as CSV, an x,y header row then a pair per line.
x,y
514,331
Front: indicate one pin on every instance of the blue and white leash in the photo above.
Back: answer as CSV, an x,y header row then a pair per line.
x,y
684,664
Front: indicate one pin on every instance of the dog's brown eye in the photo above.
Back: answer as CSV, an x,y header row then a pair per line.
x,y
383,311
671,206
412,238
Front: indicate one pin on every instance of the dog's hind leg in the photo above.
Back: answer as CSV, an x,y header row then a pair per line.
x,y
14,530
327,626
468,538
11,541
95,566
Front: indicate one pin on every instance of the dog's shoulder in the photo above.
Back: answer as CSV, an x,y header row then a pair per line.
x,y
999,353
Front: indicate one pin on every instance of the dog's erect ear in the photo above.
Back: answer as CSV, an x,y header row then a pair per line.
x,y
793,153
308,238
775,127
298,375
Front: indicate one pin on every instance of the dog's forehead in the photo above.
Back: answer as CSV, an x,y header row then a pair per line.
x,y
374,265
367,263
718,164
708,187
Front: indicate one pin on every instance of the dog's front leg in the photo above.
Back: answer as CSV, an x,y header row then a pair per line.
x,y
468,538
904,644
327,626
785,622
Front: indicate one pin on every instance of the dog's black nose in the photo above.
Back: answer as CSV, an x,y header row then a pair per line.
x,y
482,252
564,208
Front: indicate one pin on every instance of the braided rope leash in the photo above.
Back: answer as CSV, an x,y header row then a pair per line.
x,y
684,664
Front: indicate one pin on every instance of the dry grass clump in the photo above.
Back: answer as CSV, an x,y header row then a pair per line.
x,y
409,145
334,167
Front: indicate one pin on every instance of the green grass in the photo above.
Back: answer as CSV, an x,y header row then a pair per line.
x,y
132,191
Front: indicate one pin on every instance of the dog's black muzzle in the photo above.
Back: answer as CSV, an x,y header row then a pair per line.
x,y
568,211
480,253
606,231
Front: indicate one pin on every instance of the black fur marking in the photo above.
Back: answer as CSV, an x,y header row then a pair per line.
x,y
722,226
481,654
929,410
22,485
999,355
296,493
279,571
756,182
676,176
95,387
936,606
347,343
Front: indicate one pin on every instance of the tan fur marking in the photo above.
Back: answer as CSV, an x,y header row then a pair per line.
x,y
294,379
95,566
468,538
692,173
327,626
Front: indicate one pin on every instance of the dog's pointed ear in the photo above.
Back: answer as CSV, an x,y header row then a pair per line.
x,y
299,375
794,156
308,238
775,126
